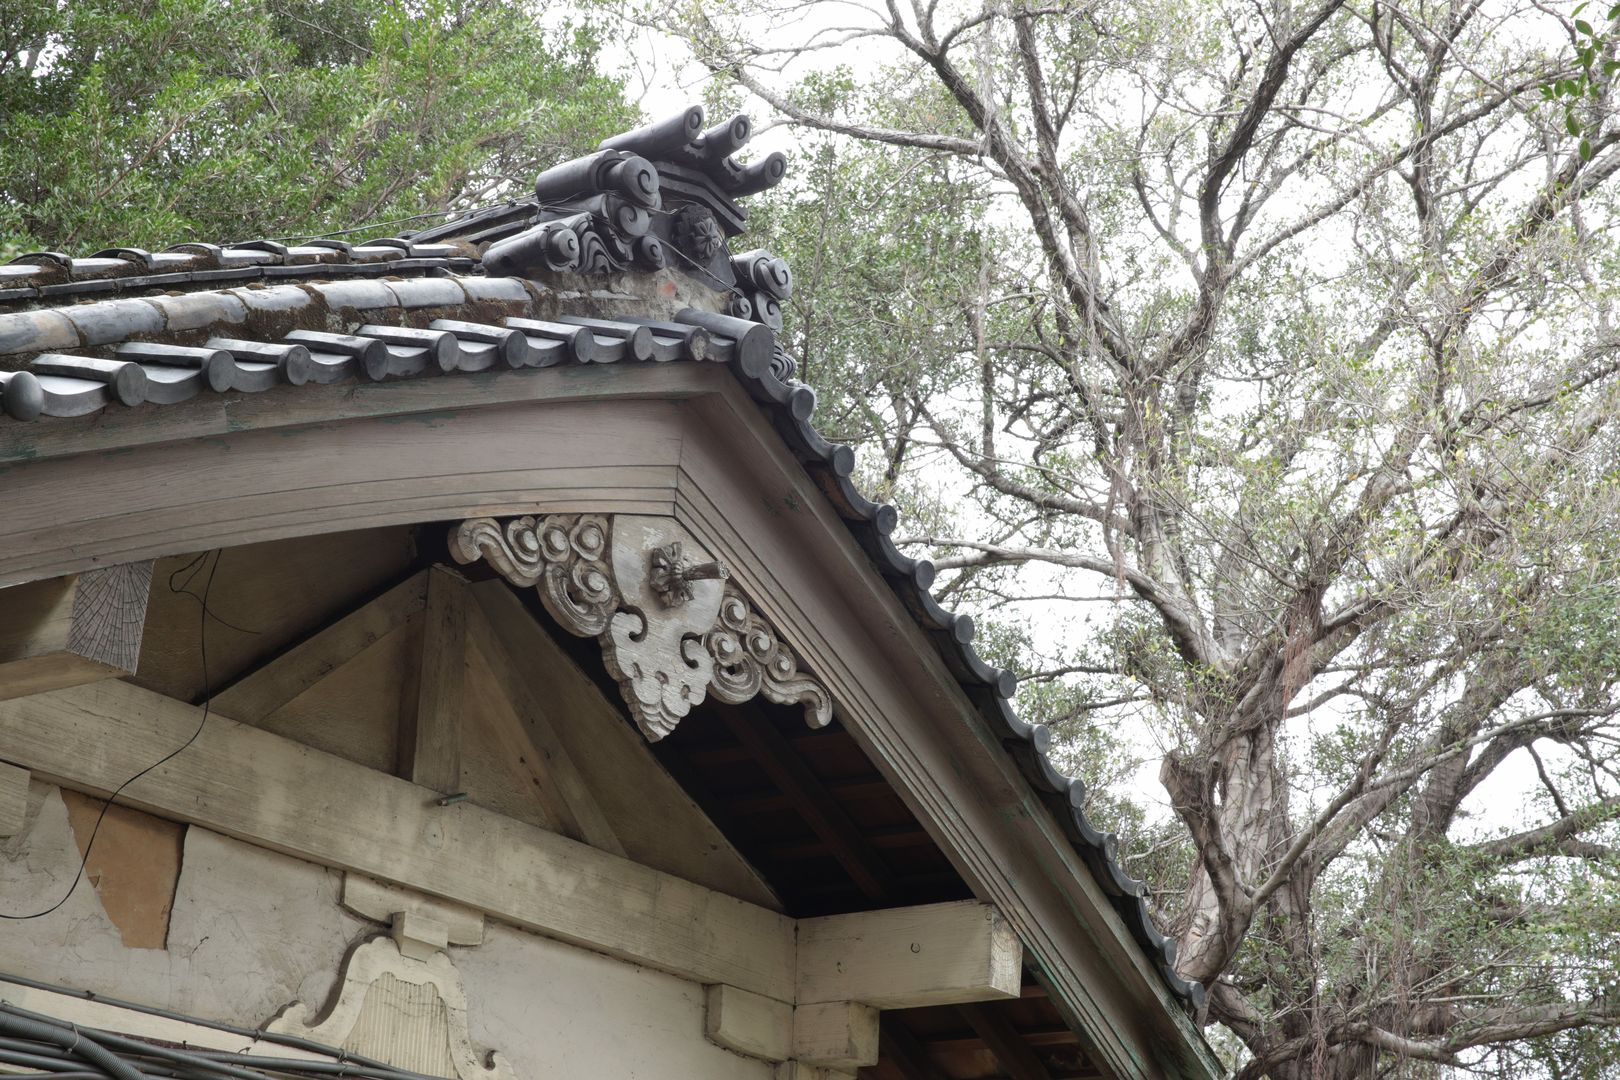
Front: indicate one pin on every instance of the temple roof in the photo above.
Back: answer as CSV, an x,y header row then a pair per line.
x,y
619,257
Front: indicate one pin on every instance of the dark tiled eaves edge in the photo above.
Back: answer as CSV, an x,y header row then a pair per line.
x,y
473,338
790,406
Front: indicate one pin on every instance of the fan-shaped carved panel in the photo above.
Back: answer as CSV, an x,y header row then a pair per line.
x,y
409,1013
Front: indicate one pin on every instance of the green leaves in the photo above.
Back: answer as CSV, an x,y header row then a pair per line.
x,y
1590,44
153,123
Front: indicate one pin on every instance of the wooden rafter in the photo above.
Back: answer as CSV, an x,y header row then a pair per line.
x,y
905,1052
814,803
284,677
499,627
997,1033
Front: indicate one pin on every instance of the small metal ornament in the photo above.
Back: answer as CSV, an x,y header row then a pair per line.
x,y
670,576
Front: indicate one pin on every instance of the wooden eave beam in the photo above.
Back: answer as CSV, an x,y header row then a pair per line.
x,y
338,813
268,790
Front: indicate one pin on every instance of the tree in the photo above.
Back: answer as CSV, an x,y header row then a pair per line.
x,y
150,122
1291,326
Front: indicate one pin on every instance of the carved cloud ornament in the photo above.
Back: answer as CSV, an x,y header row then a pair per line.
x,y
673,625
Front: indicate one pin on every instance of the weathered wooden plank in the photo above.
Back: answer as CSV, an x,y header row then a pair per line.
x,y
261,692
72,630
495,626
430,736
897,958
211,415
366,472
501,768
264,789
13,799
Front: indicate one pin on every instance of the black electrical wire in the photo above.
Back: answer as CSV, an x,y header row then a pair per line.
x,y
14,1022
202,645
205,1064
338,1054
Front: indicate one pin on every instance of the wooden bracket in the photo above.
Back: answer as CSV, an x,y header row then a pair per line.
x,y
385,903
898,958
748,1024
836,1035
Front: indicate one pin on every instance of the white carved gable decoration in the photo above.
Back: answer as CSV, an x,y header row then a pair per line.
x,y
411,1013
673,625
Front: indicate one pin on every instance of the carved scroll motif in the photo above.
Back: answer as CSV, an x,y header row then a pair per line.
x,y
750,658
564,556
673,627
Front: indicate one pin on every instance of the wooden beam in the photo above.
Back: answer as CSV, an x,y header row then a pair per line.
x,y
499,627
897,958
1058,1036
430,734
261,692
13,799
380,902
259,787
72,630
903,1050
836,1034
771,751
747,1023
1015,1055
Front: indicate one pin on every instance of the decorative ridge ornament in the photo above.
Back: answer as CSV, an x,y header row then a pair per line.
x,y
672,630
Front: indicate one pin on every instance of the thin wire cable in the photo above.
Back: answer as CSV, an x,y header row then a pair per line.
x,y
202,645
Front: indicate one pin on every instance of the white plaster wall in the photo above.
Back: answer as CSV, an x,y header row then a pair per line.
x,y
252,931
559,1011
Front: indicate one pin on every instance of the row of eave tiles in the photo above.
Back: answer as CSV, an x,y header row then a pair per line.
x,y
62,384
45,275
